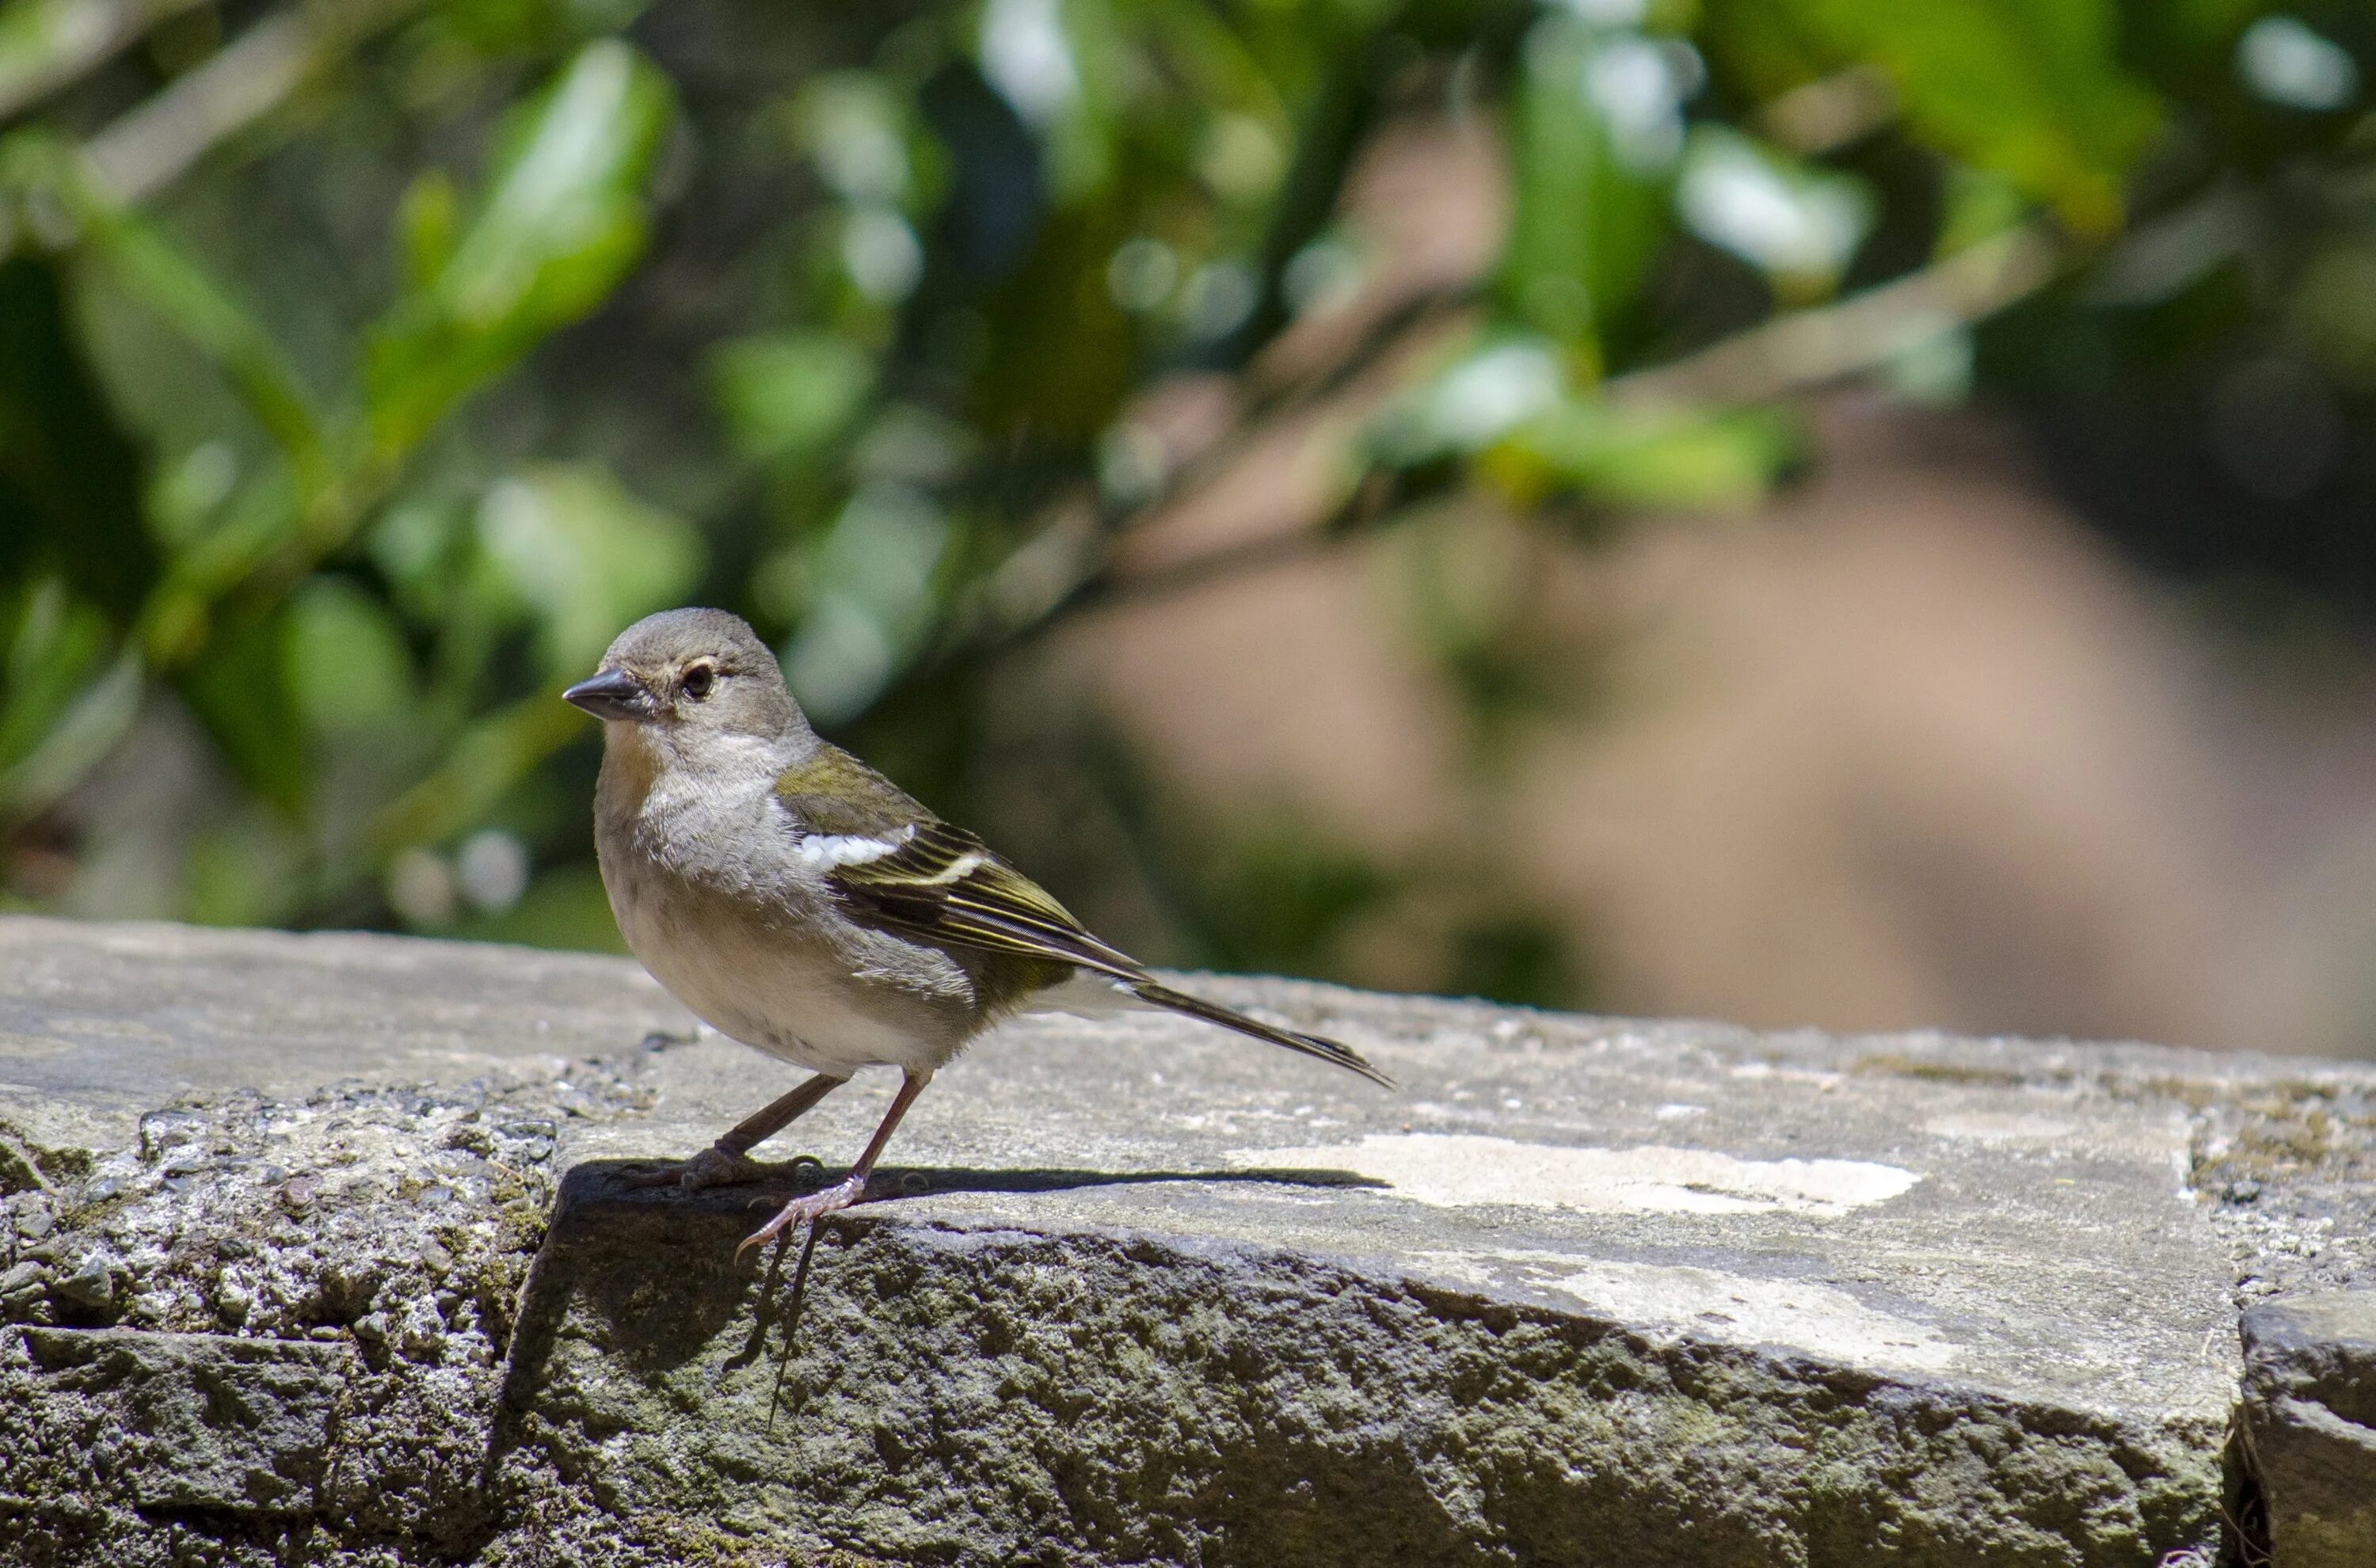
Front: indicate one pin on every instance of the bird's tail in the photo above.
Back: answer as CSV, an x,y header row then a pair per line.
x,y
1214,1013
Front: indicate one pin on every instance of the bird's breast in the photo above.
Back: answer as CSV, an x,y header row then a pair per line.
x,y
765,962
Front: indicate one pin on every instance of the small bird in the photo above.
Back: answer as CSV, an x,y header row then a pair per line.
x,y
797,900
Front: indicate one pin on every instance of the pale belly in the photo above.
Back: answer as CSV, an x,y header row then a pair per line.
x,y
793,997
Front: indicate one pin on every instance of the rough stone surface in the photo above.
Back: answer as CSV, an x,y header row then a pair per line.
x,y
296,1275
192,1420
2310,1426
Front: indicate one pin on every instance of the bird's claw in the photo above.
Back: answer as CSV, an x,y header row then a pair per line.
x,y
814,1207
713,1167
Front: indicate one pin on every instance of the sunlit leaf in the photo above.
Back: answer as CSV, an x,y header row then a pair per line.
x,y
1472,401
1650,457
1797,223
2028,89
565,215
1598,126
851,125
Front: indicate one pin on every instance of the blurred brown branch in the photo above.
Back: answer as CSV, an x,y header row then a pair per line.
x,y
1067,564
1069,567
1811,348
50,43
152,146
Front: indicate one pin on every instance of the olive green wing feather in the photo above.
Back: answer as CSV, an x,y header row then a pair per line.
x,y
942,883
833,792
900,869
903,869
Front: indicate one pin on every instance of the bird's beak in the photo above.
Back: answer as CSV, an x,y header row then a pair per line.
x,y
614,693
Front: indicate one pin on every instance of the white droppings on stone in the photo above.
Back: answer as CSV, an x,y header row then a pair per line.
x,y
1822,1077
1451,1170
1796,1314
1802,1315
2001,1127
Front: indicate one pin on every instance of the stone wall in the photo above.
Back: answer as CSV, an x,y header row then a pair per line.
x,y
317,1249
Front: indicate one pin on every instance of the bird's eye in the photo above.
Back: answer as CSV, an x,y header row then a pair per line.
x,y
699,680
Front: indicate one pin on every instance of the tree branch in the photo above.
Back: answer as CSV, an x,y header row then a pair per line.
x,y
1064,566
1807,348
1810,348
151,146
46,44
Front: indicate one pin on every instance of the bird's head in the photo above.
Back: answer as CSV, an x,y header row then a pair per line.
x,y
694,674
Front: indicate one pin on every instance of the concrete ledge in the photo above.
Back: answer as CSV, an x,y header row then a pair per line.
x,y
984,1393
1589,1291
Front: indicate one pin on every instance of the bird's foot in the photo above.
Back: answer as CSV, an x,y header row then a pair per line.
x,y
814,1207
713,1167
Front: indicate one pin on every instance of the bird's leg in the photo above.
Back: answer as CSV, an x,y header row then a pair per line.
x,y
726,1163
850,1188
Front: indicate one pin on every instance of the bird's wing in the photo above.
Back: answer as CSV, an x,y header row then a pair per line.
x,y
832,793
903,870
941,884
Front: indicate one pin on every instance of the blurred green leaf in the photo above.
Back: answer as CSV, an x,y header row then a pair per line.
x,y
1645,457
1061,354
1048,60
428,224
147,264
852,125
238,685
478,767
1979,205
86,726
2032,90
69,478
1797,223
497,27
788,394
868,590
1598,126
564,216
347,665
56,644
584,556
1497,384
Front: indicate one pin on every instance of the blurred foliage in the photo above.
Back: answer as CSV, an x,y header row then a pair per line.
x,y
358,382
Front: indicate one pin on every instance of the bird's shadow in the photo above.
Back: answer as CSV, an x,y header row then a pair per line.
x,y
608,1231
615,1179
